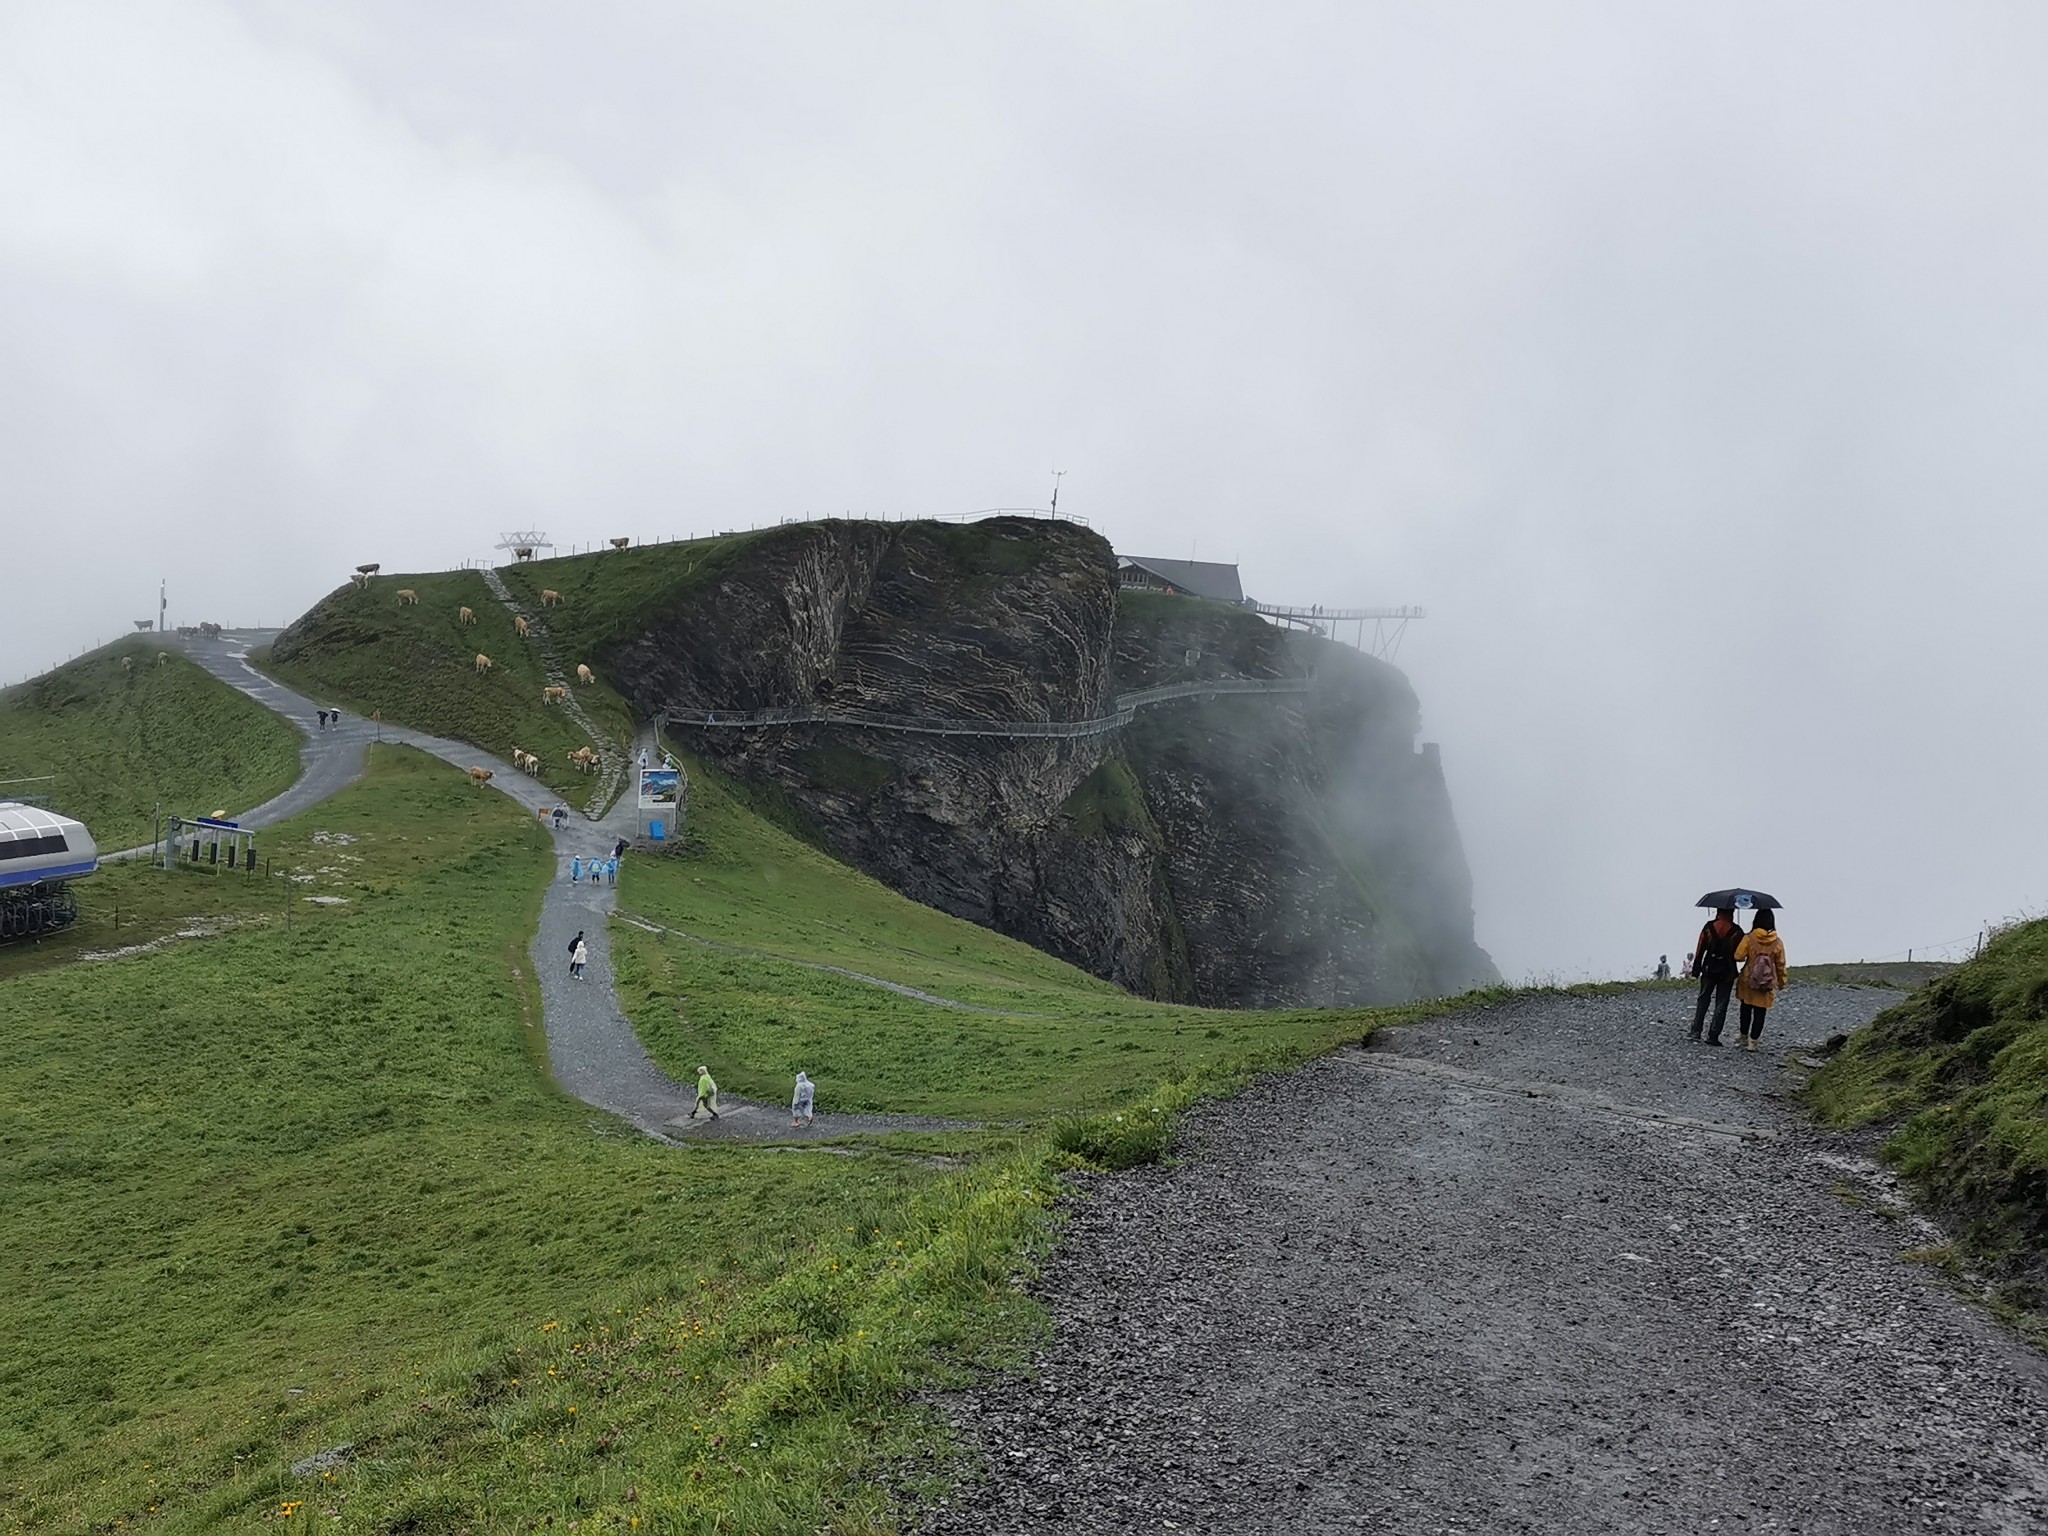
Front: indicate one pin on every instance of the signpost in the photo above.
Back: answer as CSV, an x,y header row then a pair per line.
x,y
661,803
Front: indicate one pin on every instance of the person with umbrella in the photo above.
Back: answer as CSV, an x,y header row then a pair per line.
x,y
1713,955
1761,956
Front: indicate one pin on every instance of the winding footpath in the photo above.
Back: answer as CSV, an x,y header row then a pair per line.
x,y
1541,1267
593,1051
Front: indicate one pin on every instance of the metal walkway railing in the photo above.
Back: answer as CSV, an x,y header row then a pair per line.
x,y
1124,708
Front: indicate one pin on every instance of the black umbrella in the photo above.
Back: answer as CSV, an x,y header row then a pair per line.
x,y
1740,899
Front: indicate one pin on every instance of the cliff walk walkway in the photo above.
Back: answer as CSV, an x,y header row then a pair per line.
x,y
1124,709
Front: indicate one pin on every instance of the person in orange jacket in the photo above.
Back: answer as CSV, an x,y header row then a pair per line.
x,y
1760,974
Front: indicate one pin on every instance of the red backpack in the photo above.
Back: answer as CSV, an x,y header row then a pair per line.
x,y
1762,975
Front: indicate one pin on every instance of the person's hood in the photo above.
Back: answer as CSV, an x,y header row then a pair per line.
x,y
803,1077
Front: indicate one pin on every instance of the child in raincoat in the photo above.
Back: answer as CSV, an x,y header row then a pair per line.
x,y
707,1093
1759,975
800,1106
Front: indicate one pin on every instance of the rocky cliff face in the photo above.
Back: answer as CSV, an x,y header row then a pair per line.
x,y
1265,850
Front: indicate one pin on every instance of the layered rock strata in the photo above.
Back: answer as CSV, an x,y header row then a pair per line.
x,y
1255,851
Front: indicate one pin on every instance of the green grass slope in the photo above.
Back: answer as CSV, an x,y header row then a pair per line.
x,y
1960,1071
359,647
118,740
281,1188
613,596
1053,1039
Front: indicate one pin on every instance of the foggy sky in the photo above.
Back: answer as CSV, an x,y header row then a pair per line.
x,y
1686,361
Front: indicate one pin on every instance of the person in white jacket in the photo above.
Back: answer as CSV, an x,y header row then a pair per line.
x,y
578,958
800,1106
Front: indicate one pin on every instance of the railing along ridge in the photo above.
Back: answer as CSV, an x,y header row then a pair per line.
x,y
1126,706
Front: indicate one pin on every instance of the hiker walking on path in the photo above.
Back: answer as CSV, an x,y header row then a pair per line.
x,y
578,958
800,1106
1761,956
707,1093
574,945
575,870
1663,967
1713,961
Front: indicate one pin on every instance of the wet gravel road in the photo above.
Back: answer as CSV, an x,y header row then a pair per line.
x,y
1543,1267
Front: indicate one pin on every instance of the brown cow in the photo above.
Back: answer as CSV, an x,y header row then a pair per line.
x,y
519,623
466,615
549,597
584,759
483,662
408,597
480,775
621,543
553,695
584,674
371,569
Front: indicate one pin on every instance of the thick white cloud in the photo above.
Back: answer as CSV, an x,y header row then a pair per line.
x,y
1685,361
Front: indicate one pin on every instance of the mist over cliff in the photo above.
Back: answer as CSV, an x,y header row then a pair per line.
x,y
1255,850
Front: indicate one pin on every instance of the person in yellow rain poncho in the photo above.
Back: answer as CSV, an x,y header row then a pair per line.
x,y
707,1094
1759,974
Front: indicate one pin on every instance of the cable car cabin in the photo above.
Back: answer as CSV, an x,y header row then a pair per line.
x,y
39,852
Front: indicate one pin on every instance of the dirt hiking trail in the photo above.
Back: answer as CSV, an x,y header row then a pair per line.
x,y
593,1051
1540,1267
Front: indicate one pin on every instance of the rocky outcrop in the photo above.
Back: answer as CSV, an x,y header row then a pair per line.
x,y
1309,845
1261,850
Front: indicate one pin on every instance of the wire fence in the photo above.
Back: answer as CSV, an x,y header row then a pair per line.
x,y
606,546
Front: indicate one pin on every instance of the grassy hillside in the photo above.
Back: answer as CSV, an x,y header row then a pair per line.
x,y
276,1190
362,649
1053,1039
1960,1070
612,596
121,739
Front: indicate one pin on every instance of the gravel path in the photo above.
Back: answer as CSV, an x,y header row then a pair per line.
x,y
1541,1267
593,1051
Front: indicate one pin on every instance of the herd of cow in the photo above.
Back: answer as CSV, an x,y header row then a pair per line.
x,y
528,763
585,758
465,615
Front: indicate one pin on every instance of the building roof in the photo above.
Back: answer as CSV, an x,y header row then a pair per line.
x,y
27,821
1202,578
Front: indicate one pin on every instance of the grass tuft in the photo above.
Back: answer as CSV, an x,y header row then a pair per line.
x,y
1959,1072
